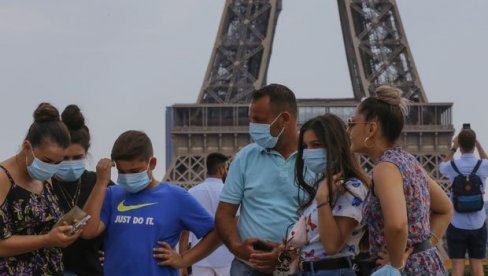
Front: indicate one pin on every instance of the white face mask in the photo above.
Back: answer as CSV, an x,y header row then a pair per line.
x,y
41,170
71,170
134,182
315,160
261,134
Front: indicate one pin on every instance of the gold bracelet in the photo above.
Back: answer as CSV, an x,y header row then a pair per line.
x,y
323,204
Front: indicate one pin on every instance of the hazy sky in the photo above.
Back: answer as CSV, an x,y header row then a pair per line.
x,y
124,61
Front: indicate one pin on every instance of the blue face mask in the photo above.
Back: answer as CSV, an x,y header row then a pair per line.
x,y
261,134
315,160
41,170
71,170
134,182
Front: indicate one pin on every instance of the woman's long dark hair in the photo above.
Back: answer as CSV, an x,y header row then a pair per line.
x,y
332,135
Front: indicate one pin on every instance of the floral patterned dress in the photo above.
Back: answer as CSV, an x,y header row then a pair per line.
x,y
417,197
26,213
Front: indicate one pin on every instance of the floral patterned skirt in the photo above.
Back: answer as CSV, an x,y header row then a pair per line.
x,y
428,262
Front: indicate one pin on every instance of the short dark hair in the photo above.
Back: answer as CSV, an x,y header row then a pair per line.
x,y
75,121
467,139
47,127
281,98
215,161
132,145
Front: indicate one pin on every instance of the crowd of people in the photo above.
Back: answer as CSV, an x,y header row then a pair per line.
x,y
294,202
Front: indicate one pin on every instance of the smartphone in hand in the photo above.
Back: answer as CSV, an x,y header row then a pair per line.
x,y
78,225
262,246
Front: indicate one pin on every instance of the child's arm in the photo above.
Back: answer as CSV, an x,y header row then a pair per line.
x,y
93,206
171,258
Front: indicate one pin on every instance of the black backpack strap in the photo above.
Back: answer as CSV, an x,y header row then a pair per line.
x,y
476,167
453,165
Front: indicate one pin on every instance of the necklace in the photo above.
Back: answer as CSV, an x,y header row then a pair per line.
x,y
67,196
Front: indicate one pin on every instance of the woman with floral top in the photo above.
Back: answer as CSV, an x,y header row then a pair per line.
x,y
405,207
29,245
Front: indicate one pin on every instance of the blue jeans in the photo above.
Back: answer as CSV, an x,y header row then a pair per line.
x,y
333,272
239,268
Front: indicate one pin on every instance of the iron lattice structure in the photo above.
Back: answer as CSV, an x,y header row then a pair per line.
x,y
242,50
377,49
377,53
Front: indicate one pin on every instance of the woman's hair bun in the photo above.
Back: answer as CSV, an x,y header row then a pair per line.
x,y
72,117
393,96
389,94
46,112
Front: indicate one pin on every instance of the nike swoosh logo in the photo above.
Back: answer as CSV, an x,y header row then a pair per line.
x,y
124,208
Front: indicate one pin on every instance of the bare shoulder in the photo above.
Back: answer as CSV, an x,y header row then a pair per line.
x,y
384,169
385,174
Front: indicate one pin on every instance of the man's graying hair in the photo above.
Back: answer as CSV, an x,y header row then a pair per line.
x,y
281,98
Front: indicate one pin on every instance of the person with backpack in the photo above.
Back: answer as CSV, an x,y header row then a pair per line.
x,y
467,174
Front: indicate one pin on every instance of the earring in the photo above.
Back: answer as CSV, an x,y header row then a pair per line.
x,y
368,142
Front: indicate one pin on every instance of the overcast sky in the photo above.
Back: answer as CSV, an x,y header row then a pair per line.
x,y
124,61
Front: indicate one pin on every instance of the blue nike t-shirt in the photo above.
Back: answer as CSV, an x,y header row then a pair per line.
x,y
136,222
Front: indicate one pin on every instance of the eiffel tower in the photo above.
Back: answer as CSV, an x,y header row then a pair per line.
x,y
377,53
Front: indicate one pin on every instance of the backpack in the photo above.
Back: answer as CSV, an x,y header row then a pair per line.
x,y
467,196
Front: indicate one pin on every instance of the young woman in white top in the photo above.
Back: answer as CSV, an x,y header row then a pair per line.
x,y
332,206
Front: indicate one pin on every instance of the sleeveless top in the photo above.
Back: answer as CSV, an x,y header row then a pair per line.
x,y
80,257
26,213
417,197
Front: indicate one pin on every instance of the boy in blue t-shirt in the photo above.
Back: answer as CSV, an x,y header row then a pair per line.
x,y
143,218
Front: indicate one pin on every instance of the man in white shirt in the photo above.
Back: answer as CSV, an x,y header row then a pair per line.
x,y
467,232
207,194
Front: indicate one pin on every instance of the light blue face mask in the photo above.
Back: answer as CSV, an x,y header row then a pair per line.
x,y
134,182
261,134
315,160
41,170
71,170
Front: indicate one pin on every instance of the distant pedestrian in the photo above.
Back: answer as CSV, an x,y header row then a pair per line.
x,y
207,193
467,231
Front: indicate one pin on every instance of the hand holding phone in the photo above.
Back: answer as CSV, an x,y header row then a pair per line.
x,y
262,246
78,225
466,126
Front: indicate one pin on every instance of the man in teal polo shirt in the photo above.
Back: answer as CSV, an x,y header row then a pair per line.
x,y
261,181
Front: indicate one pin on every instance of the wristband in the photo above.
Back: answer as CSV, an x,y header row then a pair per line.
x,y
327,202
401,267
